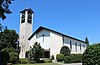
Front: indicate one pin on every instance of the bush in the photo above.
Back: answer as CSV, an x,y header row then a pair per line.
x,y
13,57
73,58
65,51
52,57
32,62
91,55
35,52
67,59
23,61
76,58
40,61
47,60
13,54
59,57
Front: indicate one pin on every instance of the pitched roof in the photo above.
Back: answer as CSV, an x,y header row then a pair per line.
x,y
41,28
28,9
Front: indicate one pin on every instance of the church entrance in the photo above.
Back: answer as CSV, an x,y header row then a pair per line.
x,y
46,53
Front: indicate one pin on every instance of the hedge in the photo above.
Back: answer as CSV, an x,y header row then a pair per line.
x,y
67,59
73,58
24,61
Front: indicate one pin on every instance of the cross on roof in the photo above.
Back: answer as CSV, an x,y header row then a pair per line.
x,y
43,37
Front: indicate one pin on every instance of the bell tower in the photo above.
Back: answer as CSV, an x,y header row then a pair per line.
x,y
26,22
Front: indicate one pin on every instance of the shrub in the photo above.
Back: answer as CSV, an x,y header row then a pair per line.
x,y
60,57
35,52
65,51
76,58
91,55
32,62
67,59
73,58
13,54
40,61
52,57
47,60
13,57
23,61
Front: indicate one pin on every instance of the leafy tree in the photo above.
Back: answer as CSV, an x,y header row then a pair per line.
x,y
2,27
4,8
65,51
8,38
91,55
35,52
87,41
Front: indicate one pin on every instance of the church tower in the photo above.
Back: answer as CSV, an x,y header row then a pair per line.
x,y
26,22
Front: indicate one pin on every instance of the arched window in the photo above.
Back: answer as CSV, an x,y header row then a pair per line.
x,y
23,17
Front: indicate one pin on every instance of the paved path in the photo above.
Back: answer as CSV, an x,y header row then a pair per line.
x,y
73,64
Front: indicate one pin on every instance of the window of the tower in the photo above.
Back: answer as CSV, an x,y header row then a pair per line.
x,y
23,17
29,17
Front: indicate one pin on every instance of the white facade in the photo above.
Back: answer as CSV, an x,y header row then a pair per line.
x,y
53,41
25,32
50,40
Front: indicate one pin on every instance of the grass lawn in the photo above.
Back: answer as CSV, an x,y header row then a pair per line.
x,y
39,64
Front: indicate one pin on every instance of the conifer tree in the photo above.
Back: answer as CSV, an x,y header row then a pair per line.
x,y
87,41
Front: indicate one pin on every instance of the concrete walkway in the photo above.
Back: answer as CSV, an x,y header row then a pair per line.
x,y
73,64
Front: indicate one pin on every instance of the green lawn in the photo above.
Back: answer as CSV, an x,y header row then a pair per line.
x,y
39,64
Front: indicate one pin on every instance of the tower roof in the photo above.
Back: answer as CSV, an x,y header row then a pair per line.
x,y
28,9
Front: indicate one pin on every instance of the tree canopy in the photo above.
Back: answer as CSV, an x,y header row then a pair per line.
x,y
4,8
91,56
65,51
8,38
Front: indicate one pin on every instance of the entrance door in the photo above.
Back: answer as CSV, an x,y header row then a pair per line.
x,y
46,54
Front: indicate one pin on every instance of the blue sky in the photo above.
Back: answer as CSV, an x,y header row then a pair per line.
x,y
76,18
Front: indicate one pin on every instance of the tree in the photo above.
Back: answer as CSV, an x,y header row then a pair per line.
x,y
87,41
35,52
91,56
8,38
65,51
4,8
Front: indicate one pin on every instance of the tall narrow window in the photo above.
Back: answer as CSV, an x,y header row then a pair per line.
x,y
80,47
23,17
76,46
70,45
83,45
29,17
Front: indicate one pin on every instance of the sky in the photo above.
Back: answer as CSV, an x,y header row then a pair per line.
x,y
76,18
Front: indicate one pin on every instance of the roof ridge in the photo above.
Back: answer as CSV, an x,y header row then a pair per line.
x,y
42,27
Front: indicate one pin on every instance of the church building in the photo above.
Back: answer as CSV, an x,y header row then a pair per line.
x,y
52,41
